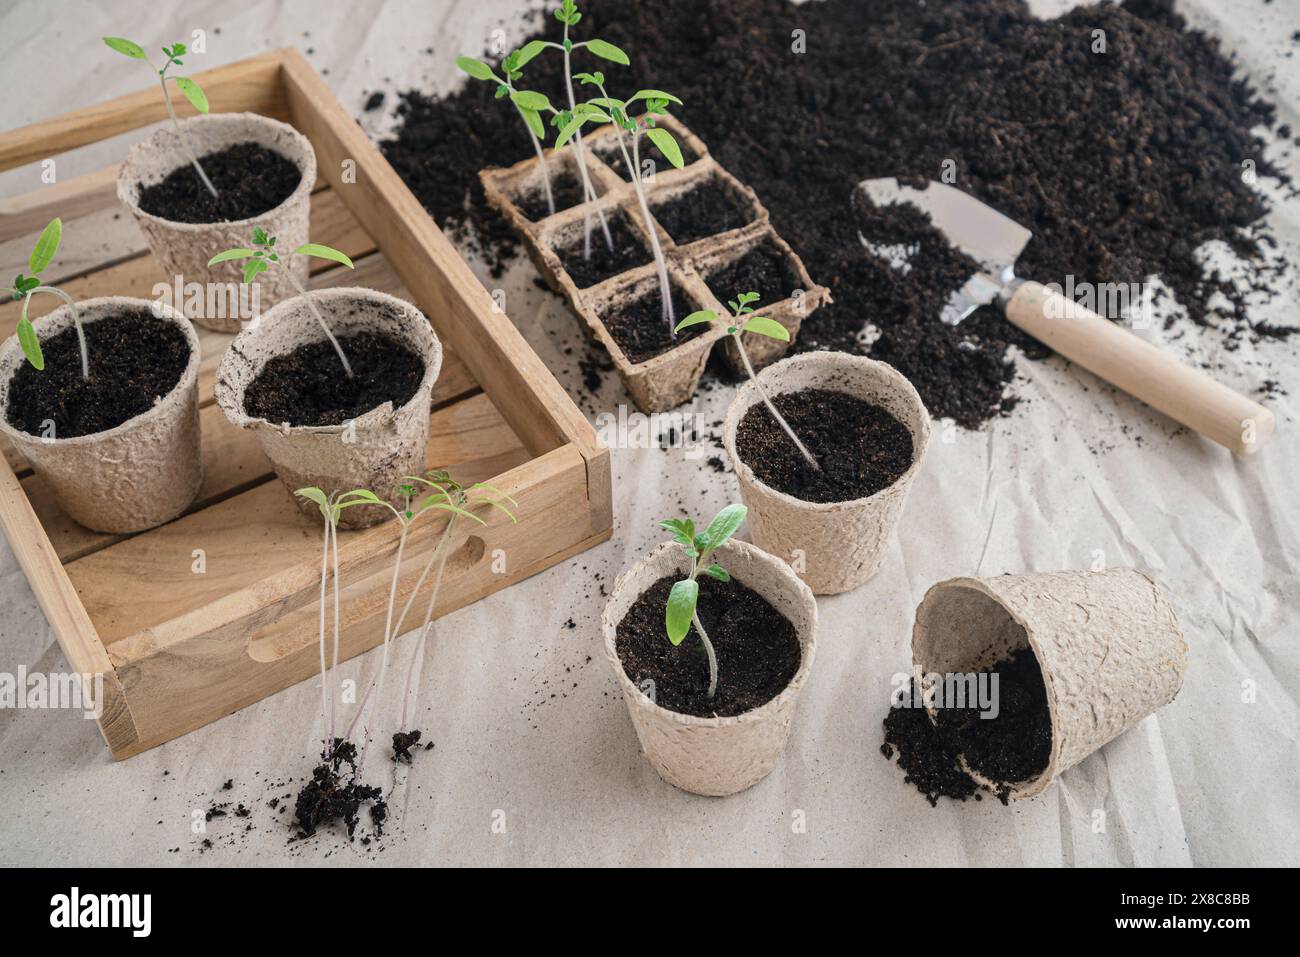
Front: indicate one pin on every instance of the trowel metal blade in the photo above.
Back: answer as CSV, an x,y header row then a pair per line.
x,y
978,230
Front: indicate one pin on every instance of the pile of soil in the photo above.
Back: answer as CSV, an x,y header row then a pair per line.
x,y
764,270
1123,163
704,210
250,180
566,190
860,448
629,251
1014,746
640,330
757,648
135,360
331,796
309,387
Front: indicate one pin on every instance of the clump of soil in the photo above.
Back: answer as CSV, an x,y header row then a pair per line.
x,y
330,797
403,742
860,448
566,189
704,210
1012,747
757,648
250,180
613,156
135,359
629,252
890,89
765,269
309,387
640,329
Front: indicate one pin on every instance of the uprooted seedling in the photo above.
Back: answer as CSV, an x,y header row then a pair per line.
x,y
630,129
24,287
263,255
193,92
743,320
681,612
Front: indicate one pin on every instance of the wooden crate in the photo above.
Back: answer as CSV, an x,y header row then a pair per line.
x,y
179,648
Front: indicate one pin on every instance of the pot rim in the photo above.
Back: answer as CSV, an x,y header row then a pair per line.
x,y
227,397
303,189
748,391
808,644
160,309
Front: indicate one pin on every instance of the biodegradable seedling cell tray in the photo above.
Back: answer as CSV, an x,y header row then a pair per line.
x,y
217,609
667,379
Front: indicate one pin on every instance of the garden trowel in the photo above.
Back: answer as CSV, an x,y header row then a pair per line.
x,y
1104,348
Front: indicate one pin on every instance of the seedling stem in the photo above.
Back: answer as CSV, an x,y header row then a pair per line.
x,y
24,287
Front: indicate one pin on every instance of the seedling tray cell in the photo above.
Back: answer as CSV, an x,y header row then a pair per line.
x,y
216,610
665,380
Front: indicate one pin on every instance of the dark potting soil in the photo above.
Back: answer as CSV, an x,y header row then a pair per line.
x,y
334,794
566,190
1014,746
640,330
629,252
860,448
613,156
764,270
757,648
403,742
1167,121
249,178
704,210
135,360
309,387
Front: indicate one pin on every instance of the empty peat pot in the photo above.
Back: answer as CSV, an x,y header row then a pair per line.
x,y
840,543
713,756
376,448
1108,645
136,475
184,248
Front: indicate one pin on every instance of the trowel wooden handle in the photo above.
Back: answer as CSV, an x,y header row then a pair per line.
x,y
1113,353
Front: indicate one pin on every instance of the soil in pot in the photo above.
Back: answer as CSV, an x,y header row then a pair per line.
x,y
250,180
334,794
613,156
764,270
629,252
640,330
861,448
704,210
1014,746
135,359
566,189
757,647
308,386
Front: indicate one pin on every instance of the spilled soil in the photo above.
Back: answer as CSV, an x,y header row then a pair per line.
x,y
1122,162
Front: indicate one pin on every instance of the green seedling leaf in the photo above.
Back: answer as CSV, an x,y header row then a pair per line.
x,y
667,145
654,95
681,609
534,121
718,572
31,346
46,246
764,326
608,102
607,51
495,490
229,255
126,47
696,318
566,134
315,495
530,100
475,68
260,238
530,50
323,252
449,507
194,93
723,526
254,268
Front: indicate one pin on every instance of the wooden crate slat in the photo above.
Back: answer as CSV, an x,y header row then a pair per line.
x,y
71,200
